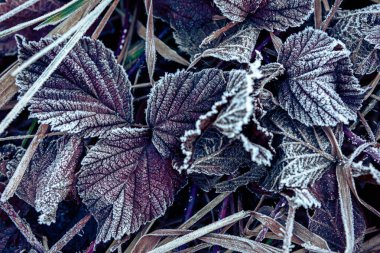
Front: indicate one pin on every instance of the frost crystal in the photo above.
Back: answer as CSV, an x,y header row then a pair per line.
x,y
89,93
351,27
177,101
267,14
319,87
125,182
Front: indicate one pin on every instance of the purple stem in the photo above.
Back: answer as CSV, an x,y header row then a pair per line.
x,y
358,141
190,205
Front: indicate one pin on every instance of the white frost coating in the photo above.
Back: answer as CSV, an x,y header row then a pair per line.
x,y
259,154
58,179
313,248
238,46
359,169
304,198
18,9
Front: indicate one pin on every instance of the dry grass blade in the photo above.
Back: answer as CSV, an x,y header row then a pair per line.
x,y
70,234
346,208
8,87
277,42
372,245
164,50
18,9
22,226
15,180
216,34
331,14
137,238
150,48
317,14
82,27
286,246
201,232
105,19
21,26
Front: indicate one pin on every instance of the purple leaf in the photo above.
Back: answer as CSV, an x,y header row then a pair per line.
x,y
237,10
191,20
58,180
7,152
303,154
176,102
351,27
327,220
215,154
267,14
319,87
125,182
89,93
237,45
50,176
8,45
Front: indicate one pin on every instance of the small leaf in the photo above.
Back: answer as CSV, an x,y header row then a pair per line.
x,y
216,154
327,220
351,27
319,87
238,46
89,93
125,182
304,198
177,101
8,45
303,154
359,169
269,15
191,20
58,179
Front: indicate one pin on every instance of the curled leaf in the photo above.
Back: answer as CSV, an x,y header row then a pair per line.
x,y
177,101
89,93
319,87
125,182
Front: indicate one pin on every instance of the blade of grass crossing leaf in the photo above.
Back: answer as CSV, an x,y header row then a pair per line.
x,y
150,47
162,48
69,9
201,232
81,28
15,180
105,19
287,243
21,26
346,208
18,9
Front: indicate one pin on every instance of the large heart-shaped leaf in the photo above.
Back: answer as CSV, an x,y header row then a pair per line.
x,y
89,93
177,101
319,87
125,182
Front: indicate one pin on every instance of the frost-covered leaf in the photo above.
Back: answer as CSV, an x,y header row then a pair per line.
x,y
176,102
237,10
373,36
89,93
255,174
303,154
267,14
319,87
42,159
359,169
327,220
216,154
58,179
192,21
50,175
8,45
236,46
125,182
304,198
351,27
